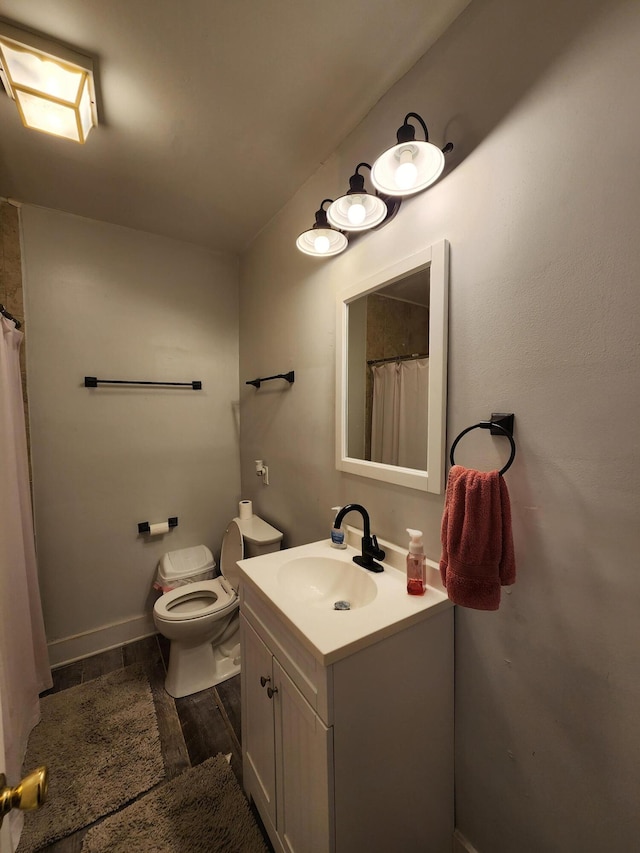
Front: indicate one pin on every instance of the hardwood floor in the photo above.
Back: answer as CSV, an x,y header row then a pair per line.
x,y
191,729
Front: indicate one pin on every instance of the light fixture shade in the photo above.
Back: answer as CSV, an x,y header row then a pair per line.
x,y
322,240
52,86
407,168
411,165
357,212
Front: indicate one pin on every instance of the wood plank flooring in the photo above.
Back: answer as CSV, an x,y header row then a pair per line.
x,y
191,729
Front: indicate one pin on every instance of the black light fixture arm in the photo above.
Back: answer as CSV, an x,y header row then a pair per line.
x,y
321,214
407,133
356,181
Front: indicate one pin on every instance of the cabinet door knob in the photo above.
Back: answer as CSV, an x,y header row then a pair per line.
x,y
271,691
264,680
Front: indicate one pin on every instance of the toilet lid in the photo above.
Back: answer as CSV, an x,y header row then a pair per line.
x,y
194,600
232,551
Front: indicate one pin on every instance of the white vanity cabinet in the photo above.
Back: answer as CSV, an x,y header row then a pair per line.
x,y
355,755
287,754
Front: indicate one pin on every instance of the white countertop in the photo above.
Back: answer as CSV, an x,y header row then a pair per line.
x,y
329,634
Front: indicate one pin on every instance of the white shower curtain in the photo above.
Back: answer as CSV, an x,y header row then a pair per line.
x,y
399,413
24,662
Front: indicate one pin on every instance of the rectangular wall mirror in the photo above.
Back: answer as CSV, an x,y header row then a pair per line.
x,y
391,372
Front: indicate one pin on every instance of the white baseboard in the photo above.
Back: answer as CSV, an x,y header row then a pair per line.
x,y
80,646
461,845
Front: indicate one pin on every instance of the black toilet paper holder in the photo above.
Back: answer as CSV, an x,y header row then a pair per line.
x,y
145,527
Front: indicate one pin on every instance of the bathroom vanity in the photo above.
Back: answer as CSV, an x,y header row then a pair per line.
x,y
347,716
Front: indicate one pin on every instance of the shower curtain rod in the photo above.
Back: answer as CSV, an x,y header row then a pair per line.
x,y
399,358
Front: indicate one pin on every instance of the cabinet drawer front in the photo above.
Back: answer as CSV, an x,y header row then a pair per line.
x,y
312,679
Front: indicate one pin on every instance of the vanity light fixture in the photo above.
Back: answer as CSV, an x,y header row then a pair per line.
x,y
411,165
52,86
322,239
358,210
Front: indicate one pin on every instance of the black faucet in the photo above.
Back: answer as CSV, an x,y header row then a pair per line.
x,y
370,550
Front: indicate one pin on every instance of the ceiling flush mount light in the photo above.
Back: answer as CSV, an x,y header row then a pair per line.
x,y
321,239
52,86
358,210
411,165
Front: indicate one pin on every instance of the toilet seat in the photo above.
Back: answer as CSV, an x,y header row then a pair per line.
x,y
196,600
232,551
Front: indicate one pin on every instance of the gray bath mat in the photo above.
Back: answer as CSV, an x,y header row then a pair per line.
x,y
201,811
100,742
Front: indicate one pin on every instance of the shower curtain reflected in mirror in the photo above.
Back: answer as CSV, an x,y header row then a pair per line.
x,y
399,413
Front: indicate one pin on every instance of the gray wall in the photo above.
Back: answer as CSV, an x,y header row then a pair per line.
x,y
541,207
115,303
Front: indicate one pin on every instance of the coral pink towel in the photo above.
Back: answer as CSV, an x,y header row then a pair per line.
x,y
477,543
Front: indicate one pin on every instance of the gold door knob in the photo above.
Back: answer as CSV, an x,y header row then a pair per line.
x,y
29,794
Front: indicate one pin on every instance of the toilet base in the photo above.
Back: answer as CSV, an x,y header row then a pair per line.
x,y
195,667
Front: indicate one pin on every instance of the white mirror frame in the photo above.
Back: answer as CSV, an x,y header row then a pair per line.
x,y
432,480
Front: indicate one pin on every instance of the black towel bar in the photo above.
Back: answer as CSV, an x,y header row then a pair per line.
x,y
92,382
500,424
290,377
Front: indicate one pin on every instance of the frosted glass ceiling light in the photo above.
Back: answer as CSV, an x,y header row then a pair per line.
x,y
321,239
357,210
52,86
411,165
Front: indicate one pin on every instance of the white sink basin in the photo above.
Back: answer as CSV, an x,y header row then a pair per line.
x,y
323,581
302,585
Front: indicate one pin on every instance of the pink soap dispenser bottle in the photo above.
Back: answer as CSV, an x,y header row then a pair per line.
x,y
416,564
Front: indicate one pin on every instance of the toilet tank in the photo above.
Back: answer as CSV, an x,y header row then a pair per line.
x,y
255,549
259,536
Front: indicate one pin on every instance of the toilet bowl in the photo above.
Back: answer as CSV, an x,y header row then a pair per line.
x,y
199,613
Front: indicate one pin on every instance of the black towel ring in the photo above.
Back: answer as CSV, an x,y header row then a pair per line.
x,y
492,425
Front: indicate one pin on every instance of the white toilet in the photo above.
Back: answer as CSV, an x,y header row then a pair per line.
x,y
200,613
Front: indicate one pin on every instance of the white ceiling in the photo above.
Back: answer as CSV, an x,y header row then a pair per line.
x,y
212,112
